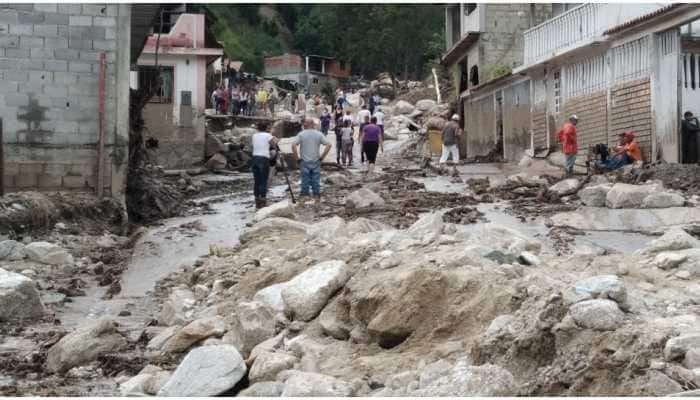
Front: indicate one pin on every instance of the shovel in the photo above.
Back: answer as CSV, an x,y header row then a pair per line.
x,y
286,176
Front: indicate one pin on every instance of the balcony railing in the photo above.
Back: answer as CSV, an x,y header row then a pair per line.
x,y
577,26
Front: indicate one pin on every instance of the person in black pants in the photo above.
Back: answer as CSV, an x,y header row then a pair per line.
x,y
263,143
690,128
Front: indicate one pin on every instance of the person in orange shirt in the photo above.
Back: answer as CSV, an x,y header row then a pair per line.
x,y
567,137
627,152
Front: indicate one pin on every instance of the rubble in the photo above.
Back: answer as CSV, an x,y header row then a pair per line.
x,y
363,198
48,253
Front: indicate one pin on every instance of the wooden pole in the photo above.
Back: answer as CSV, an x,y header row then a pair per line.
x,y
101,142
437,87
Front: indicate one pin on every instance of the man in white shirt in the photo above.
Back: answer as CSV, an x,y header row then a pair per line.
x,y
263,143
379,115
363,115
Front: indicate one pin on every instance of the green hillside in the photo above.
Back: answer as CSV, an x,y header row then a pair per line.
x,y
400,39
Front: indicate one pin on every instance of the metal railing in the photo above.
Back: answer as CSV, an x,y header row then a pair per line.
x,y
564,30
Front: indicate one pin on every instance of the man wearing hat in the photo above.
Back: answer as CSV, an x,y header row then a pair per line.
x,y
567,137
450,137
627,152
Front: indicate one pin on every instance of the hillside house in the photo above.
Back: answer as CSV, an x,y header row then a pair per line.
x,y
175,116
312,72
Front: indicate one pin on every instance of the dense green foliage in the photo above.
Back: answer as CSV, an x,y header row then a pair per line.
x,y
400,39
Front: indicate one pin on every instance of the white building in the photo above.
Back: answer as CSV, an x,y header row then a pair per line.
x,y
619,67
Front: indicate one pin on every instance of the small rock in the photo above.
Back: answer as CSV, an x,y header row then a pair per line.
x,y
565,187
685,275
205,371
158,341
283,209
674,239
598,314
252,323
464,380
268,364
363,198
527,258
48,253
668,260
194,332
177,310
605,287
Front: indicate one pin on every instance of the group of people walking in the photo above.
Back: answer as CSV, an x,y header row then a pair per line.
x,y
370,134
244,100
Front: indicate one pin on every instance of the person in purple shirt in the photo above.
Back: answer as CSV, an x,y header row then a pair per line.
x,y
372,141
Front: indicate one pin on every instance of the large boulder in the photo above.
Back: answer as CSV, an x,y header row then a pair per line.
x,y
213,145
674,239
604,287
251,323
85,345
268,364
565,187
404,107
11,250
335,319
284,209
426,105
501,238
464,380
194,332
363,198
327,229
178,308
48,253
19,298
663,200
623,195
273,226
435,123
206,371
307,293
594,196
428,227
310,384
598,314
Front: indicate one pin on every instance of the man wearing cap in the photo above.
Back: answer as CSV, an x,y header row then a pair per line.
x,y
567,137
450,136
690,129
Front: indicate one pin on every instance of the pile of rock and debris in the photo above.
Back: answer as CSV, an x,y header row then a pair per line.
x,y
480,313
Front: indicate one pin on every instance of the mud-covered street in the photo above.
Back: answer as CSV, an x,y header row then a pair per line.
x,y
407,267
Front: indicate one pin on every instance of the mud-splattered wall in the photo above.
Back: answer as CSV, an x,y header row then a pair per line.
x,y
49,94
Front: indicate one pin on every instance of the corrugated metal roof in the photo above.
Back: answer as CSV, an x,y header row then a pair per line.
x,y
642,19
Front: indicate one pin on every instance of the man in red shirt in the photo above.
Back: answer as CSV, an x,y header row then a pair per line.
x,y
567,137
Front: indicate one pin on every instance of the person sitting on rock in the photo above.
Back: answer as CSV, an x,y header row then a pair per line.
x,y
627,152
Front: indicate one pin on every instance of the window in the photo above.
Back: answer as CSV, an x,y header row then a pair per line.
x,y
148,79
314,81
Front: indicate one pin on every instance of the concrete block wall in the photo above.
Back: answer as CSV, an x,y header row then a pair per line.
x,y
630,110
502,41
592,111
49,76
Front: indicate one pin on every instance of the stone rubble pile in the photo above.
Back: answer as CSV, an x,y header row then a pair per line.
x,y
478,313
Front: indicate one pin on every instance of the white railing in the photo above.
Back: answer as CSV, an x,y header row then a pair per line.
x,y
577,26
